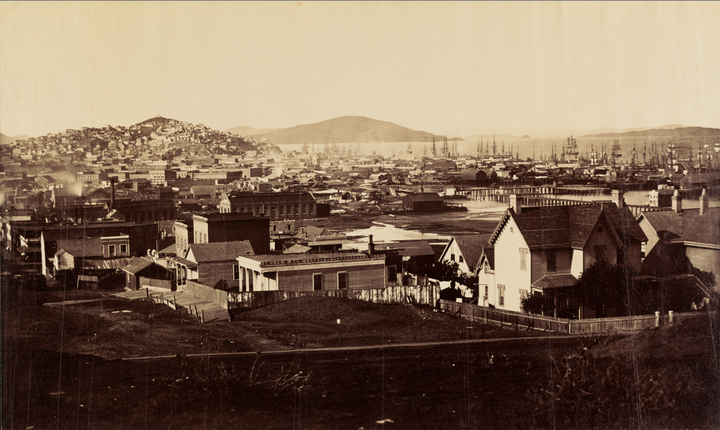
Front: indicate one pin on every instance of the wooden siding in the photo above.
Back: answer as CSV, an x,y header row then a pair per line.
x,y
212,272
359,277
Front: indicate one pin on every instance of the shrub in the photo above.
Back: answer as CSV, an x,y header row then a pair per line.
x,y
587,392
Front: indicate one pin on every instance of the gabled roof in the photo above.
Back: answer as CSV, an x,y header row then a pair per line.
x,y
84,248
624,223
137,264
570,226
297,249
688,225
310,232
219,251
472,247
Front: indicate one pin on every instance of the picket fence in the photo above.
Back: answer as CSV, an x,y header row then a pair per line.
x,y
424,295
561,325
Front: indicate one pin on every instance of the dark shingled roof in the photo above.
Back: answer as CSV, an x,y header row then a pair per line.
x,y
689,225
220,251
472,247
570,226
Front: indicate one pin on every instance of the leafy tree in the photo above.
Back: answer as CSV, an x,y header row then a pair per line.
x,y
606,288
536,304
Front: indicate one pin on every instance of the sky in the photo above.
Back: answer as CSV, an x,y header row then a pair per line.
x,y
435,67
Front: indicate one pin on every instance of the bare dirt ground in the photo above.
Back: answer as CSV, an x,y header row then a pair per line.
x,y
62,370
444,223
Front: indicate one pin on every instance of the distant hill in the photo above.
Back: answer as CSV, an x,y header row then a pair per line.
x,y
246,130
6,140
486,136
348,129
678,133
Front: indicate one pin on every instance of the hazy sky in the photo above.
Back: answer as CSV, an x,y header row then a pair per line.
x,y
429,66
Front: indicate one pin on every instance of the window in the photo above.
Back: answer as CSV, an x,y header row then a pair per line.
x,y
282,210
342,280
523,259
551,260
392,274
123,249
452,257
236,272
460,258
486,292
103,250
111,250
600,252
501,295
317,282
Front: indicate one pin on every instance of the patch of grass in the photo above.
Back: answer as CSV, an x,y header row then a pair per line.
x,y
231,386
587,392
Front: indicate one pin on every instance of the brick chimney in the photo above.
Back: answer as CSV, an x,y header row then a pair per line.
x,y
677,201
515,203
371,245
618,198
704,203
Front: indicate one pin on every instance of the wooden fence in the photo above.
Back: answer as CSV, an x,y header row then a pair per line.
x,y
420,294
155,283
584,326
637,322
208,294
505,318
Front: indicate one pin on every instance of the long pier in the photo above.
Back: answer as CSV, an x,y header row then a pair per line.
x,y
545,191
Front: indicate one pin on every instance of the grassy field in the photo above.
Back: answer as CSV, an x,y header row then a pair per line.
x,y
63,369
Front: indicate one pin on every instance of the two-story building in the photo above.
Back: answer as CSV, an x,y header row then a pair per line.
x,y
275,205
544,250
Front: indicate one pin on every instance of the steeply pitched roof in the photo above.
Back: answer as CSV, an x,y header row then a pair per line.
x,y
624,223
570,226
219,251
472,247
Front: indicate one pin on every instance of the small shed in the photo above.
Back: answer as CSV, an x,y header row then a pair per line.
x,y
422,202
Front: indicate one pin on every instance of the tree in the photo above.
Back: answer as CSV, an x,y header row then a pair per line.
x,y
536,304
606,288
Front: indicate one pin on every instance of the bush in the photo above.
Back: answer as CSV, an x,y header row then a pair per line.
x,y
586,392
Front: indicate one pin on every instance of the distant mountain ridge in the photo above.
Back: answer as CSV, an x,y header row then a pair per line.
x,y
246,130
540,133
348,129
679,132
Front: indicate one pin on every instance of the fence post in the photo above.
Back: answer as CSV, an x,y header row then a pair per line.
x,y
672,317
657,319
569,322
147,293
202,316
174,302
